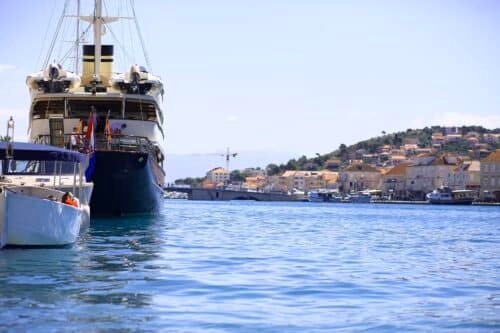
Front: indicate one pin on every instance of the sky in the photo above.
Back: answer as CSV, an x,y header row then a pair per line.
x,y
287,75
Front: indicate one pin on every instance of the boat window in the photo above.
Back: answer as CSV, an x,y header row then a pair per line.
x,y
18,167
140,110
81,108
42,109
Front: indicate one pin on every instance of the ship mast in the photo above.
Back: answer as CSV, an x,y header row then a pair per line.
x,y
77,56
98,21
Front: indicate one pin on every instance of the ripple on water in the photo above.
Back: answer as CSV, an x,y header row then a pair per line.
x,y
267,267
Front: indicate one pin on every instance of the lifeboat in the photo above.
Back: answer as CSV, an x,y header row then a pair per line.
x,y
53,80
137,81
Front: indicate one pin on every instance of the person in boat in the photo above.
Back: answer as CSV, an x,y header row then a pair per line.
x,y
117,129
69,199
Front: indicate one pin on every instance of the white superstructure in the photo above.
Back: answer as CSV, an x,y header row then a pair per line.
x,y
61,100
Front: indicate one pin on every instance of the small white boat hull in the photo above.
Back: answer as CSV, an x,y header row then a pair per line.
x,y
33,221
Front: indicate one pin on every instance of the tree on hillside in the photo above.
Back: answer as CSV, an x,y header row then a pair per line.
x,y
272,169
237,176
342,152
291,165
193,182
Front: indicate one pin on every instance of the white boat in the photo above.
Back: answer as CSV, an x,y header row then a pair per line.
x,y
324,196
35,215
358,197
444,195
69,101
47,222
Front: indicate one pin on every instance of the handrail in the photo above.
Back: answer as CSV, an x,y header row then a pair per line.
x,y
114,142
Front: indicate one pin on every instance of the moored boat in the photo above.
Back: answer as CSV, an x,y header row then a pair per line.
x,y
32,211
117,116
324,196
444,195
358,197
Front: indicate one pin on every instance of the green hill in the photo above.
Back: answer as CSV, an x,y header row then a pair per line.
x,y
370,146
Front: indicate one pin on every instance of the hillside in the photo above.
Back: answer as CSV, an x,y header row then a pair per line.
x,y
422,138
396,140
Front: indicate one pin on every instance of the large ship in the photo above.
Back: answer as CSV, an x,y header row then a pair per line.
x,y
122,112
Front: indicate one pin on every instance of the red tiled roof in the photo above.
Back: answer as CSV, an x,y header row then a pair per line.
x,y
493,157
361,167
398,170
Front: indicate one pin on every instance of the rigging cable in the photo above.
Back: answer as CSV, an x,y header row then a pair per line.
x,y
63,37
130,35
54,39
45,34
125,53
148,63
75,44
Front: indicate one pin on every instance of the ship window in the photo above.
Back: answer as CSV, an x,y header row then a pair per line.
x,y
81,108
137,110
42,109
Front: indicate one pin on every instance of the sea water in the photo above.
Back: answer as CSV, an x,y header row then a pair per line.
x,y
264,267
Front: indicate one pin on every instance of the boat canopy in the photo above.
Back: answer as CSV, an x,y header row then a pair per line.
x,y
30,151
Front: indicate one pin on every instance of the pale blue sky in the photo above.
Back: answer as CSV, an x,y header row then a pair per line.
x,y
292,76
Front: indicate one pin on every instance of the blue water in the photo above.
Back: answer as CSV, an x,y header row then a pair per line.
x,y
264,267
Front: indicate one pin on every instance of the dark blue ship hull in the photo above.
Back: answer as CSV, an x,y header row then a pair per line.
x,y
126,183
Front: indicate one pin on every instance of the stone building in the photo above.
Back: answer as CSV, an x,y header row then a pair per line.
x,y
359,177
490,177
429,172
218,175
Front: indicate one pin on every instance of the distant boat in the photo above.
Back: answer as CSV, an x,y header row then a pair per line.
x,y
444,195
324,196
34,214
358,197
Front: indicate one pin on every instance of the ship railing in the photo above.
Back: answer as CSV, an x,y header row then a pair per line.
x,y
114,142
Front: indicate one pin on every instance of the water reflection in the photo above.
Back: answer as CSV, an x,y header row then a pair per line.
x,y
100,269
118,253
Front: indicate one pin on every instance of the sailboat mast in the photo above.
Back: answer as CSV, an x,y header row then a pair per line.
x,y
97,39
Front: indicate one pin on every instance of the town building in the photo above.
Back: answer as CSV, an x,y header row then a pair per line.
x,y
437,140
394,182
428,172
254,172
492,138
333,164
451,130
466,176
357,177
217,175
410,145
490,177
384,149
449,138
397,159
307,180
255,183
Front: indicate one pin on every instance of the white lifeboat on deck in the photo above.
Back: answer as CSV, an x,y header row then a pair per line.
x,y
53,79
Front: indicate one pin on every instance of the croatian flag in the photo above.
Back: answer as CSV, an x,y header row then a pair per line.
x,y
90,139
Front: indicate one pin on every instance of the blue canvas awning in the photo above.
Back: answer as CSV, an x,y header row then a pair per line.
x,y
23,151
